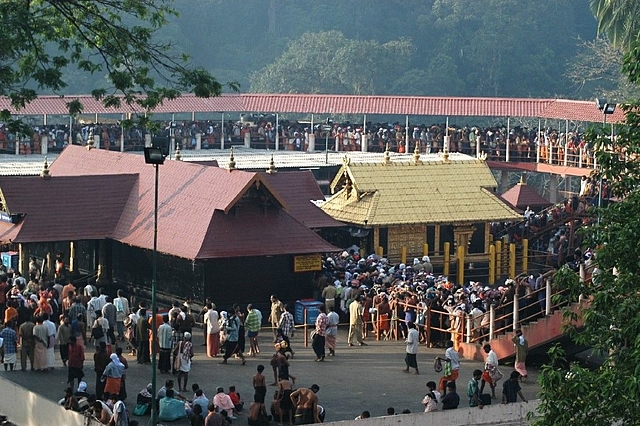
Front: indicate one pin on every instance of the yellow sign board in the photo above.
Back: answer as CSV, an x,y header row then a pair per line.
x,y
311,262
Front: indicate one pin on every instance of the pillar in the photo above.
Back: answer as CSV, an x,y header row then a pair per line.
x,y
23,263
425,249
512,260
567,185
72,256
460,278
492,264
504,181
498,255
380,251
525,255
247,140
96,141
447,259
553,189
312,142
102,262
147,140
403,254
198,141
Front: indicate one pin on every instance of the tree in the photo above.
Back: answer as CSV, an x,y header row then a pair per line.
x,y
596,71
111,39
619,20
328,62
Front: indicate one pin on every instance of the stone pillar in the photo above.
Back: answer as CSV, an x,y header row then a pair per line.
x,y
247,140
312,142
567,185
553,189
96,141
198,141
147,140
44,145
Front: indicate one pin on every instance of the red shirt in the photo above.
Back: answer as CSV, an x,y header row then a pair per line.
x,y
76,356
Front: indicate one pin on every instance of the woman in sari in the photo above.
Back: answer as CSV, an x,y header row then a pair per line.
x,y
112,375
41,334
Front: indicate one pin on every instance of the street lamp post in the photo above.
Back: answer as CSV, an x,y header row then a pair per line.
x,y
607,108
155,155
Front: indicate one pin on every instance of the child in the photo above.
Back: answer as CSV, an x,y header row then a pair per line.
x,y
259,382
235,398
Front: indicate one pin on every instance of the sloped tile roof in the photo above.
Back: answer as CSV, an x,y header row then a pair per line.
x,y
251,232
560,109
64,208
521,195
190,196
428,193
298,188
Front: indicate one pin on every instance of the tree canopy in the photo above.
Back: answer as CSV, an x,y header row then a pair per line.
x,y
45,41
608,394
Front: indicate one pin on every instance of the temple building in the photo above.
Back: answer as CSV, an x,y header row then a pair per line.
x,y
409,202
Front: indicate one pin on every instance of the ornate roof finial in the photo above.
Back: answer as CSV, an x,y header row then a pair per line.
x,y
90,140
483,156
346,160
232,161
272,166
523,179
45,170
178,154
416,154
387,157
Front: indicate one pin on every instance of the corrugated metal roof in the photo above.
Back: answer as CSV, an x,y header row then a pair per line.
x,y
189,195
64,208
339,104
427,193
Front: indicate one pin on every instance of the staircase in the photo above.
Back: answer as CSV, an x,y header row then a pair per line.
x,y
537,333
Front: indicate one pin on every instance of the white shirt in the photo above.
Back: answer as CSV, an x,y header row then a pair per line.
x,y
211,318
454,357
492,358
412,341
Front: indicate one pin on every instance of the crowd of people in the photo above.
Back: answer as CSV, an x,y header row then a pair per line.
x,y
525,144
373,296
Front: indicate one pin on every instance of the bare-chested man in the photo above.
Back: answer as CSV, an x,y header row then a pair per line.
x,y
306,403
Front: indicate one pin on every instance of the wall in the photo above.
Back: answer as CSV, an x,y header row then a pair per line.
x,y
499,414
26,408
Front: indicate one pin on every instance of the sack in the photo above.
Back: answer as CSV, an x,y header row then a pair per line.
x,y
437,365
97,332
447,369
142,409
177,363
313,334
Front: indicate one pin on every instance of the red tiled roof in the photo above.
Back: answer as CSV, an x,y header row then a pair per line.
x,y
521,195
64,208
190,195
559,109
298,188
251,232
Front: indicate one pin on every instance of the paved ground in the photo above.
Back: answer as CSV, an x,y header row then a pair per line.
x,y
358,378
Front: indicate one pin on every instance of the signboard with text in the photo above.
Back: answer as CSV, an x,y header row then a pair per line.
x,y
307,263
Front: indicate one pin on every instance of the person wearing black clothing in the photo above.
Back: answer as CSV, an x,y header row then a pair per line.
x,y
451,400
142,333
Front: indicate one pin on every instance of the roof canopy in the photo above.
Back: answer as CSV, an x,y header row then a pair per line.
x,y
201,210
521,195
558,109
426,192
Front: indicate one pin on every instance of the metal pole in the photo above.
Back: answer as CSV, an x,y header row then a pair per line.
x,y
222,130
326,147
277,133
506,158
154,412
406,135
566,142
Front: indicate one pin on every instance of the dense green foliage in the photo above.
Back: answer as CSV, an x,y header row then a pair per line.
x,y
609,394
414,47
44,44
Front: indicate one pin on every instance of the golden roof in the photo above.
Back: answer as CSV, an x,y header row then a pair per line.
x,y
429,192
